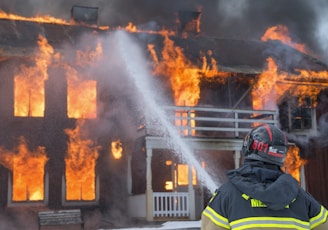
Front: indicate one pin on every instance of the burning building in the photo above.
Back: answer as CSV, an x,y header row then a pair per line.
x,y
75,137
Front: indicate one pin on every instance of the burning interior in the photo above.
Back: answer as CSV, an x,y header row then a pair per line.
x,y
71,127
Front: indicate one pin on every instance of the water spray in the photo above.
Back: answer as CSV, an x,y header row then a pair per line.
x,y
136,68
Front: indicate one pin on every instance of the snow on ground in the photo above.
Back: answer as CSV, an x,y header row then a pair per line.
x,y
168,225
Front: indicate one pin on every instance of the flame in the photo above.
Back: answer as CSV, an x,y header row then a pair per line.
x,y
293,162
168,185
38,19
131,28
183,172
280,32
117,149
273,84
266,91
82,94
28,171
134,29
80,165
183,74
29,83
47,19
184,77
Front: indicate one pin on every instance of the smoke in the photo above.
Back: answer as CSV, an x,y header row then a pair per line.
x,y
321,30
247,19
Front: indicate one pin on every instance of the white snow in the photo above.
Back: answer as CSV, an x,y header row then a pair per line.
x,y
168,225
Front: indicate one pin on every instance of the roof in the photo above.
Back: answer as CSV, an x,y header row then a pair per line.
x,y
19,39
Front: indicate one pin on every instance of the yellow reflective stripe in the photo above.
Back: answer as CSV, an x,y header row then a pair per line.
x,y
216,218
273,222
319,219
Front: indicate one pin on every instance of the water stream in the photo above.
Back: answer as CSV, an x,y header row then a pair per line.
x,y
137,69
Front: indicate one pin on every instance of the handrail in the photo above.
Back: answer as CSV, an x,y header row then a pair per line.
x,y
213,122
171,204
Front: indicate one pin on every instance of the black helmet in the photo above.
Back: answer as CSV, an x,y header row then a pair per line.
x,y
266,143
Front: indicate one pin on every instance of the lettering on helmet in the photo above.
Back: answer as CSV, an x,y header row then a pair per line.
x,y
260,146
275,152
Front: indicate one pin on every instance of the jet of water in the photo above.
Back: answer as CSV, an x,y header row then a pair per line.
x,y
137,69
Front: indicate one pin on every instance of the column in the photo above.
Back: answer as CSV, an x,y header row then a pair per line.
x,y
149,189
191,192
129,175
237,159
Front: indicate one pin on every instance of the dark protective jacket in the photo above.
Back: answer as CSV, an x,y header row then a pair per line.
x,y
261,196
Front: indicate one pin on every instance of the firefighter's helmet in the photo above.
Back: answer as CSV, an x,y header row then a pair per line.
x,y
266,143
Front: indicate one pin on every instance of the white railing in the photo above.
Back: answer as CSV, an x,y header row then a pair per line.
x,y
215,122
170,204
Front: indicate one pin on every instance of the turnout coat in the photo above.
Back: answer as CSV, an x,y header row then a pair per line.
x,y
261,196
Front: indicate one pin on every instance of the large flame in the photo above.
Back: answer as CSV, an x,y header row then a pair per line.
x,y
280,32
28,171
184,77
82,94
294,162
80,162
266,91
29,83
272,84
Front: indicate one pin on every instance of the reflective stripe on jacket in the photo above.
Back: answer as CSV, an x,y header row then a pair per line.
x,y
231,209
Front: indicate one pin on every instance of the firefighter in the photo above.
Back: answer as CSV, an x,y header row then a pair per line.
x,y
259,195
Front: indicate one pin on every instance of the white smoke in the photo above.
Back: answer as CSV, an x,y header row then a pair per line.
x,y
321,30
233,8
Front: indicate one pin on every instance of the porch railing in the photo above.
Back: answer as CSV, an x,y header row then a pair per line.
x,y
168,204
213,122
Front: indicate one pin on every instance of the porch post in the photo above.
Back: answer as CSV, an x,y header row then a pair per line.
x,y
191,192
149,189
129,175
237,159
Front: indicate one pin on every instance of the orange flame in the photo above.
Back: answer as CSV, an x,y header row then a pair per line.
x,y
47,19
28,171
184,77
29,83
81,98
134,29
80,165
273,84
82,94
38,19
117,149
293,162
183,175
266,92
281,33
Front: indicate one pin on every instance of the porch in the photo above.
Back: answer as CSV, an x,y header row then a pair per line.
x,y
201,128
